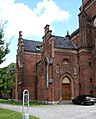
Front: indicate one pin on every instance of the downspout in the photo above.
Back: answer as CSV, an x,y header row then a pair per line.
x,y
79,84
16,91
36,80
46,58
36,66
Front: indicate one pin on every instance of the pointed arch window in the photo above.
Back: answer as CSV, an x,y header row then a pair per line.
x,y
75,70
67,64
57,68
65,80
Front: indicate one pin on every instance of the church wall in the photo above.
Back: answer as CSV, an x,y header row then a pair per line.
x,y
87,46
79,64
44,92
61,55
40,82
85,70
29,73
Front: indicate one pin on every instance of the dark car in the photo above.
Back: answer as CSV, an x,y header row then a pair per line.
x,y
84,100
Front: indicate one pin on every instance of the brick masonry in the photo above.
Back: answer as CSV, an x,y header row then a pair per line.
x,y
44,73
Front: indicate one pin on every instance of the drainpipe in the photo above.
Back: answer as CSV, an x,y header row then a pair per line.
x,y
46,58
79,84
16,91
36,66
36,81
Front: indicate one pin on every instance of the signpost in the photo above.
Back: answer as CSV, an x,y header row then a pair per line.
x,y
25,107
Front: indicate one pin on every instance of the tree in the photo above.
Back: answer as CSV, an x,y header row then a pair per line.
x,y
3,46
7,78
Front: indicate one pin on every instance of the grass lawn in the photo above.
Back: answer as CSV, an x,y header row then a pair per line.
x,y
8,114
20,103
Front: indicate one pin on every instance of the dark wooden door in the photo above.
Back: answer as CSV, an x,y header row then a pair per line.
x,y
66,91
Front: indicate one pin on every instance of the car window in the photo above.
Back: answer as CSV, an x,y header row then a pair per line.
x,y
91,96
79,97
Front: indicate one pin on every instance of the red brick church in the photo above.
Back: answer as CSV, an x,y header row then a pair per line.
x,y
59,68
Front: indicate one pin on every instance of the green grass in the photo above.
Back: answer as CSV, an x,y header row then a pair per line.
x,y
20,103
8,114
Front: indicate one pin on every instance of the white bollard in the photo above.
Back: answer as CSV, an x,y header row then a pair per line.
x,y
26,116
25,109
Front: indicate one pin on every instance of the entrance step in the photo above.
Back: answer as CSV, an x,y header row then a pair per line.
x,y
65,102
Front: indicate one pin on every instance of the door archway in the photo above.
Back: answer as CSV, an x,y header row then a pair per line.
x,y
67,88
66,92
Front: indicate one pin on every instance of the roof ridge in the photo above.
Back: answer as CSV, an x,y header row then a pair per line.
x,y
32,40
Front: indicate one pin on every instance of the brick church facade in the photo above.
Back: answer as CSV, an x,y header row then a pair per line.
x,y
59,68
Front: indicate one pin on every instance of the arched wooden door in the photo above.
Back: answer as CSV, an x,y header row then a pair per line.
x,y
66,89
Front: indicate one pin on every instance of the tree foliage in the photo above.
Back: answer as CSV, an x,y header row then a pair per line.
x,y
7,77
3,46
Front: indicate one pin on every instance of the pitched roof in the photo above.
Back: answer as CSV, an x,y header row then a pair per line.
x,y
63,42
75,32
59,42
31,46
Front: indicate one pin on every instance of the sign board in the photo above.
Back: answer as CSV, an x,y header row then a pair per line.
x,y
25,98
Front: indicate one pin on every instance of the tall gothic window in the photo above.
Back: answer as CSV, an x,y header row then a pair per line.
x,y
75,70
67,65
57,68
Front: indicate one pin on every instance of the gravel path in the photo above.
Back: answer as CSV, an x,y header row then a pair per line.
x,y
67,111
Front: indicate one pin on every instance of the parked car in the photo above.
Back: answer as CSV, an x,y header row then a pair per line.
x,y
84,100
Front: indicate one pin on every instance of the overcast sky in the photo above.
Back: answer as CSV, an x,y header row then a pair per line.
x,y
30,17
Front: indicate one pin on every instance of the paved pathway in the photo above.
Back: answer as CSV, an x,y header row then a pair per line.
x,y
67,111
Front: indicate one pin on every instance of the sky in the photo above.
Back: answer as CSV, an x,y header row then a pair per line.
x,y
30,17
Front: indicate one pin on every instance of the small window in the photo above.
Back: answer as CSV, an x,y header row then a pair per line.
x,y
42,70
75,70
89,63
57,68
66,61
90,80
